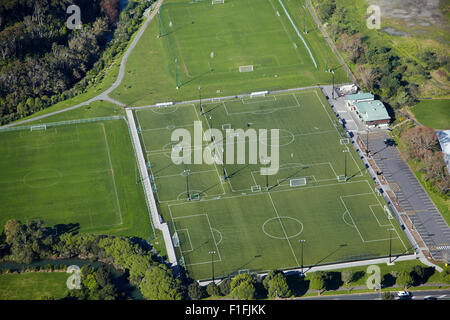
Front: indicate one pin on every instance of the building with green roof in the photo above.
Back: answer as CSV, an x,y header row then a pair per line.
x,y
373,113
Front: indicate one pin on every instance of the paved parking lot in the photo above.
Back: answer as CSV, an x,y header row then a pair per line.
x,y
411,196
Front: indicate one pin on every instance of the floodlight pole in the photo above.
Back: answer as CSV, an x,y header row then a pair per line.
x,y
304,20
326,67
159,24
176,72
345,164
200,95
187,184
332,73
367,143
267,182
211,125
390,245
302,242
212,253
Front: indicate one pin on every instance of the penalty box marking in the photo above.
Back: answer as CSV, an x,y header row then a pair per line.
x,y
354,223
211,229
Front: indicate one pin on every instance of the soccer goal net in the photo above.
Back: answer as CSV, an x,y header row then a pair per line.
x,y
258,94
38,127
341,178
175,240
217,1
345,141
246,68
297,182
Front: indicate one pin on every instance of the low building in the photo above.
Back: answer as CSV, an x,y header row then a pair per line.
x,y
372,113
351,99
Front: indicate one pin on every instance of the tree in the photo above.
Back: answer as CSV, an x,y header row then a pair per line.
x,y
195,291
404,279
347,276
243,287
213,290
159,284
276,284
418,273
225,286
317,281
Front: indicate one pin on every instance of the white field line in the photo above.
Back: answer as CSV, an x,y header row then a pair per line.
x,y
390,221
376,218
215,165
112,172
189,237
191,216
284,231
332,122
298,33
179,174
256,194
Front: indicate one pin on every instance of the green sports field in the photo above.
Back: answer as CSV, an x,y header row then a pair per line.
x,y
78,173
196,44
231,212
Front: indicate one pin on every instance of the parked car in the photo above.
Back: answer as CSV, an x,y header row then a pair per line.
x,y
404,294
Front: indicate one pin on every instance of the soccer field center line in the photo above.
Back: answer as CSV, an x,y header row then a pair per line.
x,y
282,226
287,190
112,171
215,165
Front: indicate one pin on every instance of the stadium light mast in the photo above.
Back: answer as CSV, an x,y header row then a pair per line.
x,y
304,20
302,242
332,74
200,96
176,72
186,172
390,244
345,164
212,253
367,143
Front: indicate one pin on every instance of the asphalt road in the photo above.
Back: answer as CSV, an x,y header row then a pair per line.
x,y
416,295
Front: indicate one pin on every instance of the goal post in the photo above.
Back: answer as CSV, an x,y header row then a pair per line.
x,y
175,240
248,68
297,182
38,127
217,1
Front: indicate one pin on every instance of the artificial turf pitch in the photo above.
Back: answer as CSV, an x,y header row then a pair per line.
x,y
192,44
249,227
81,174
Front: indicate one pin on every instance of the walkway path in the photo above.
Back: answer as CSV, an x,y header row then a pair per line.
x,y
105,95
325,35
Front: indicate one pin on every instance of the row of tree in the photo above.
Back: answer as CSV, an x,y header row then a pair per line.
x,y
421,145
42,62
33,241
378,68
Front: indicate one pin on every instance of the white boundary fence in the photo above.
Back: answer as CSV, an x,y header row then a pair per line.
x,y
156,218
61,123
